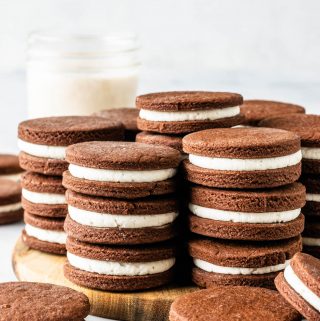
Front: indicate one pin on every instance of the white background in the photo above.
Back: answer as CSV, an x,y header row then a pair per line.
x,y
266,49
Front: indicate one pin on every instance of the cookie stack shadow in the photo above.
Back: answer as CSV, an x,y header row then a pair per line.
x,y
244,204
43,142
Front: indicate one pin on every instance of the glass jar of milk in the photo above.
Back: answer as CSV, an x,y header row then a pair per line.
x,y
80,74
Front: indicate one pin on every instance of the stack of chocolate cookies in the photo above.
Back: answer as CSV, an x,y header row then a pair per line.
x,y
308,128
122,215
245,204
43,144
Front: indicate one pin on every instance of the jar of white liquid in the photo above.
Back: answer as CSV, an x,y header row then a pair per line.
x,y
80,74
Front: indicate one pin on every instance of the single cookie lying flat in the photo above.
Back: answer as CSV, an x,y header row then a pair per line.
x,y
299,284
27,301
9,167
180,112
242,157
43,141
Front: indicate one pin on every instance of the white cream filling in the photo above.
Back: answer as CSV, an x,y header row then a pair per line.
x,y
209,267
55,152
313,197
10,207
43,198
299,287
311,241
46,235
12,177
119,268
121,176
244,217
310,152
120,221
237,164
205,114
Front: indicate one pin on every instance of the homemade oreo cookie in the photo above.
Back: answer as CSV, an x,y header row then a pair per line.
x,y
44,234
232,303
258,215
311,237
242,157
9,167
299,284
114,221
181,112
312,184
10,201
308,128
43,195
127,116
121,170
256,110
115,268
221,263
43,141
28,301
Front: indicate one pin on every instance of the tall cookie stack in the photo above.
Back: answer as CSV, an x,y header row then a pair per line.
x,y
121,215
245,204
43,144
308,128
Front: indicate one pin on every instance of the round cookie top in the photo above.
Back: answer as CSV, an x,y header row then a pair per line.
x,y
68,130
146,206
122,156
307,268
278,199
156,139
23,301
306,126
256,110
9,164
244,143
126,115
42,183
187,100
232,303
10,192
134,253
244,254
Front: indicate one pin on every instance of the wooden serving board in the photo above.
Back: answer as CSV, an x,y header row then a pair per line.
x,y
34,266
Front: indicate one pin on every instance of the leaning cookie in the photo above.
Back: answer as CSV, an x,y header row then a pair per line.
x,y
221,263
43,141
308,128
242,157
101,220
299,284
121,170
119,268
181,112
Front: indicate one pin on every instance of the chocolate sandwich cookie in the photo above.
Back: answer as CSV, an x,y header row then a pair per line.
x,y
256,110
308,128
242,157
311,237
299,284
127,116
312,184
232,303
121,170
9,167
43,195
43,141
180,112
28,301
10,201
44,234
101,220
255,215
221,263
115,268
